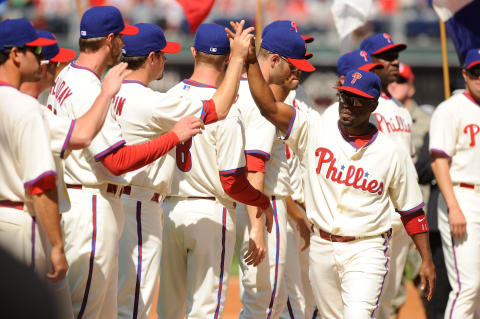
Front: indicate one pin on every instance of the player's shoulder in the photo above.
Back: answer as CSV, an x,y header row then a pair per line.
x,y
451,105
20,106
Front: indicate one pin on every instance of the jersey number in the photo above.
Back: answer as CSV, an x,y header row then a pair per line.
x,y
184,157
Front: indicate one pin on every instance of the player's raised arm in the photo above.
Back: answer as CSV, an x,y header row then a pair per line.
x,y
227,92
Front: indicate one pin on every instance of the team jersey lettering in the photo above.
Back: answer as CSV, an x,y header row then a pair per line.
x,y
60,91
354,177
400,125
118,103
183,156
50,107
473,129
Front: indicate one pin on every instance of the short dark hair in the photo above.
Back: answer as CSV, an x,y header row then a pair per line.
x,y
135,62
5,54
91,45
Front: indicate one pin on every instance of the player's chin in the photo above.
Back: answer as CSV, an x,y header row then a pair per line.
x,y
345,121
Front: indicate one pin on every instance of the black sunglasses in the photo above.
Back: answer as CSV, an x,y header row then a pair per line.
x,y
350,100
474,72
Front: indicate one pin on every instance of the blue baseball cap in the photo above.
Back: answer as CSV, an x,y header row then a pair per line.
x,y
150,38
20,32
287,24
379,43
101,21
53,53
285,40
472,58
356,60
212,39
362,83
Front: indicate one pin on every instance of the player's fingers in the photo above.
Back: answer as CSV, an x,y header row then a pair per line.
x,y
247,33
269,222
431,286
54,276
230,33
422,282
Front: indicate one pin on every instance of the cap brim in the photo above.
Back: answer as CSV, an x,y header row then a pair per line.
x,y
471,65
41,42
370,66
129,30
302,65
354,91
307,38
395,46
308,55
172,47
64,55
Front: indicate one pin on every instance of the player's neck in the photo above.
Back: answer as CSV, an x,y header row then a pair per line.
x,y
359,130
280,92
141,75
384,89
10,74
474,97
97,62
264,67
207,75
31,88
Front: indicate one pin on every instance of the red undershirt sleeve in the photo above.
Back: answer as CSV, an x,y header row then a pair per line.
x,y
255,162
42,185
237,187
209,115
131,157
415,223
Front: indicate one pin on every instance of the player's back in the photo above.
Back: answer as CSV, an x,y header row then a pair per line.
x,y
200,160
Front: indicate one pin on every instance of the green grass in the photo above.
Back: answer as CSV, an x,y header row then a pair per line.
x,y
234,268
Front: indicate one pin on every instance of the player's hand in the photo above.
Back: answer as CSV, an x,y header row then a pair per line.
x,y
427,275
268,217
59,264
239,40
188,127
114,78
256,247
458,224
303,226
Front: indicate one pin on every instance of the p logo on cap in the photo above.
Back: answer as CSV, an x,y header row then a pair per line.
x,y
212,39
356,60
361,83
356,76
380,42
101,21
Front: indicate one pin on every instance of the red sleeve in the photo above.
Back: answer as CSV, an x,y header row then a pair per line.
x,y
131,157
415,223
209,112
42,185
255,162
237,187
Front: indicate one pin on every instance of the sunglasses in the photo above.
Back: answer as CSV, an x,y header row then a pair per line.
x,y
474,72
35,50
292,67
356,101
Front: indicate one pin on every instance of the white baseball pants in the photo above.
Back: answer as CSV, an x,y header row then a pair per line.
x,y
462,257
25,239
198,244
140,252
348,278
92,230
263,291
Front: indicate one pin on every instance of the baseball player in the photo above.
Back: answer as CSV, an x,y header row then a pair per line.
x,y
143,114
29,217
199,235
353,174
263,290
455,151
394,119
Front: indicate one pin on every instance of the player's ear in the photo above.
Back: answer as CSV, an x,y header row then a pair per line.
x,y
227,59
341,80
194,52
464,74
151,57
373,106
15,55
274,59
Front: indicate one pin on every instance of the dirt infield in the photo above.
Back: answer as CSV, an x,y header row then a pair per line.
x,y
411,309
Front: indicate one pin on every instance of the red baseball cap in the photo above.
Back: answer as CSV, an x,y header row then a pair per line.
x,y
406,72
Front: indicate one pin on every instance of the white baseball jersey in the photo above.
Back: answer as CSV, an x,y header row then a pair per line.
x,y
74,92
60,130
455,133
260,138
24,145
219,150
144,114
348,189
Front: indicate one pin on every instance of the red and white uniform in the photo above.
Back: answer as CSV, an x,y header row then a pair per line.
x,y
26,168
199,234
263,291
350,191
94,223
455,134
144,114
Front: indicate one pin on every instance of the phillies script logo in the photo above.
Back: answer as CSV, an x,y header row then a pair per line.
x,y
356,76
398,124
387,36
364,55
472,129
354,177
